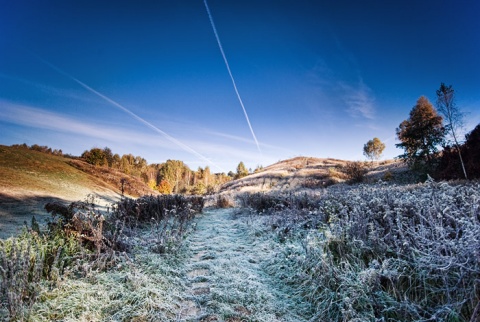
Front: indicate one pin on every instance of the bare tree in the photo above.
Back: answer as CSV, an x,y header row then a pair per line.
x,y
452,115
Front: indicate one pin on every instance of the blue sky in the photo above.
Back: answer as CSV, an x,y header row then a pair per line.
x,y
317,78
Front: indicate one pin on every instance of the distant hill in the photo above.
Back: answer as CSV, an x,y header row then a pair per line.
x,y
305,173
29,179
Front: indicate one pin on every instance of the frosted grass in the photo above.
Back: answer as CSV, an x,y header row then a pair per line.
x,y
239,286
147,288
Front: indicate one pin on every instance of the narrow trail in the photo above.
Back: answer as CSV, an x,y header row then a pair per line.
x,y
225,278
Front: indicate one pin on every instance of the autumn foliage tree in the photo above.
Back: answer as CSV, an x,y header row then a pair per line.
x,y
373,149
420,135
241,171
172,176
164,187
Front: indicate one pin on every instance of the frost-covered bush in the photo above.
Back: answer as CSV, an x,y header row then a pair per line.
x,y
21,266
167,217
383,252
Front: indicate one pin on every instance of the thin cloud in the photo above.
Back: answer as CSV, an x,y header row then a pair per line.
x,y
359,100
39,118
133,115
50,90
244,140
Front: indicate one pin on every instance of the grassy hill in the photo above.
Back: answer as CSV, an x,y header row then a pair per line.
x,y
302,173
29,179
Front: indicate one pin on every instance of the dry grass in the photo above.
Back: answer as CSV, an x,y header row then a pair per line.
x,y
29,179
302,174
133,186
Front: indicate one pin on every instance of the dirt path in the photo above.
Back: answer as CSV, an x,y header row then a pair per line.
x,y
225,276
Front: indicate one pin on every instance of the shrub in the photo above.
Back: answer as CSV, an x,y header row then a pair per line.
x,y
355,171
224,202
168,217
21,267
388,176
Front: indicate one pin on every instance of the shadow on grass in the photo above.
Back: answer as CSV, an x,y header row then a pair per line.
x,y
15,211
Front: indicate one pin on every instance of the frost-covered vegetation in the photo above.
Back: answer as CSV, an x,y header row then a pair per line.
x,y
227,281
377,252
90,266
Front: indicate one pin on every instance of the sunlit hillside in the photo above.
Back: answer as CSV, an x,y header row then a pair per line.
x,y
302,173
29,179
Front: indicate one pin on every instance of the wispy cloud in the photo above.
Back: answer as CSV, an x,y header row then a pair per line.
x,y
40,118
359,100
100,133
50,90
236,138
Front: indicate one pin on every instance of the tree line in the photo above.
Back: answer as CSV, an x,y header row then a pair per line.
x,y
431,139
172,176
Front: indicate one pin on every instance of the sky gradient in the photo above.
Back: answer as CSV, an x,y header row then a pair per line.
x,y
316,78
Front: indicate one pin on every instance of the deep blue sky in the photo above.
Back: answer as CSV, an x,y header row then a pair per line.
x,y
317,78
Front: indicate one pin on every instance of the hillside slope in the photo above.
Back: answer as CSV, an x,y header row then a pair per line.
x,y
302,173
29,179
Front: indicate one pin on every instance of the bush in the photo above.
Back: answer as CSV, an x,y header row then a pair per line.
x,y
224,202
168,216
355,171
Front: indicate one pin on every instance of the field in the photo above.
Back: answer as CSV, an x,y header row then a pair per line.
x,y
279,245
303,174
376,252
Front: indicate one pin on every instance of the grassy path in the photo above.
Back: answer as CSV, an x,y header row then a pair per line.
x,y
225,278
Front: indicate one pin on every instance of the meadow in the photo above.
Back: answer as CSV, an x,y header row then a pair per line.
x,y
364,252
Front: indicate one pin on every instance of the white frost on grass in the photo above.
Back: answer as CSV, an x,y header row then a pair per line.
x,y
239,287
147,289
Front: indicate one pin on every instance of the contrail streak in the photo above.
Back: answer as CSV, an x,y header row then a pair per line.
x,y
135,116
231,75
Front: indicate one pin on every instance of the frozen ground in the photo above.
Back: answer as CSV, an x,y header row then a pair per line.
x,y
219,274
225,279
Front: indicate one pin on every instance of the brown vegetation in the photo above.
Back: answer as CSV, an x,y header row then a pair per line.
x,y
303,173
30,178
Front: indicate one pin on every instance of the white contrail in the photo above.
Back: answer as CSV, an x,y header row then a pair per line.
x,y
230,73
135,116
